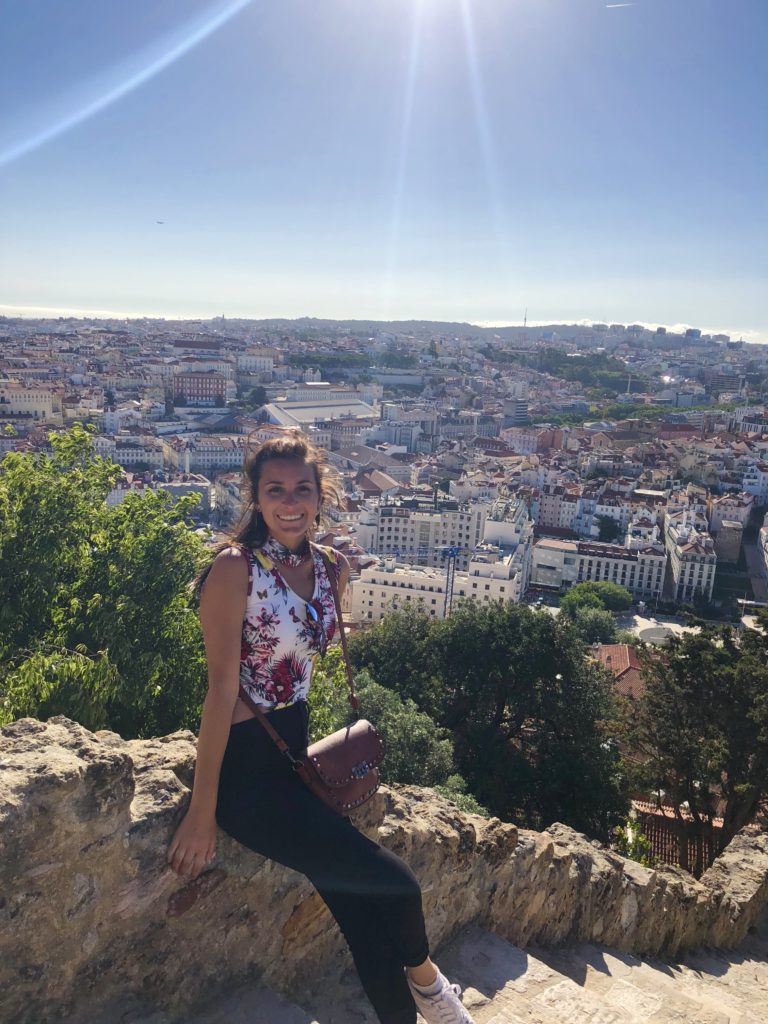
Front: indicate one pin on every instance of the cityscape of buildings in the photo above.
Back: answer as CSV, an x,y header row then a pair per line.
x,y
479,463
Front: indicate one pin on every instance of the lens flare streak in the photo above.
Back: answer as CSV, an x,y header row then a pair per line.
x,y
191,36
395,221
483,125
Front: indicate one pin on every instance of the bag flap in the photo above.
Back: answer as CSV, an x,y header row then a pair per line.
x,y
347,754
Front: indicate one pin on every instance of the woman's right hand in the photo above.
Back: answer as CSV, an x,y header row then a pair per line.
x,y
193,844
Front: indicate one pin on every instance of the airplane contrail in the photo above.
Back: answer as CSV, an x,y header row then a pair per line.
x,y
619,5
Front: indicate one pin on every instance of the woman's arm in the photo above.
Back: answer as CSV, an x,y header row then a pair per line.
x,y
222,609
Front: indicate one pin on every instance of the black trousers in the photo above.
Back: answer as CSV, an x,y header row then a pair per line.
x,y
373,895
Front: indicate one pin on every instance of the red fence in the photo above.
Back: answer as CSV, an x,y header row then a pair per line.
x,y
656,827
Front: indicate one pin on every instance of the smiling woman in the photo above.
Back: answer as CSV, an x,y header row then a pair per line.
x,y
269,605
57,114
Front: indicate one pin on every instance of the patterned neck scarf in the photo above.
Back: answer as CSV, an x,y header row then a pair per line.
x,y
283,555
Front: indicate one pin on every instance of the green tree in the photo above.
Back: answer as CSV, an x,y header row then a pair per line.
x,y
594,625
701,732
609,529
455,788
417,750
523,705
600,594
328,703
577,599
256,397
96,617
397,651
631,843
47,504
132,600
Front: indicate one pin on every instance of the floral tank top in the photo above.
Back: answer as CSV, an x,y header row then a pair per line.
x,y
282,636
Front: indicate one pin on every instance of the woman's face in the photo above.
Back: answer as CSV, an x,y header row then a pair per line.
x,y
288,499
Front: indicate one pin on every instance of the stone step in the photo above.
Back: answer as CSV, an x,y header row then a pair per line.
x,y
253,1006
246,1005
505,984
578,984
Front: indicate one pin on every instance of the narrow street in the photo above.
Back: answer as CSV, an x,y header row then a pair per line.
x,y
756,570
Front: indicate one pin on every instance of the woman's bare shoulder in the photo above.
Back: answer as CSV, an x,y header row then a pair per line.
x,y
229,566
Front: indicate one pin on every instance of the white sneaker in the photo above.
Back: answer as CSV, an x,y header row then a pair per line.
x,y
442,1008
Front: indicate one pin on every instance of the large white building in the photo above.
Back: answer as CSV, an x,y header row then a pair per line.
x,y
736,508
755,481
211,452
692,558
304,414
256,360
417,531
323,391
130,451
557,564
38,403
190,483
387,585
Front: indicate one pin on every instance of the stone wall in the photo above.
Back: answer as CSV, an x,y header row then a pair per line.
x,y
90,912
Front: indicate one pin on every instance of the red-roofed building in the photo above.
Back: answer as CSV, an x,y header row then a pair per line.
x,y
623,663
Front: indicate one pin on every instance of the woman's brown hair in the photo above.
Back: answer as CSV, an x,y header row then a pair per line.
x,y
251,531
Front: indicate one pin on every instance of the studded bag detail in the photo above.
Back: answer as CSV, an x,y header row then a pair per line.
x,y
341,769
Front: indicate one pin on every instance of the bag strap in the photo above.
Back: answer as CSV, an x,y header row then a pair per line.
x,y
272,732
330,570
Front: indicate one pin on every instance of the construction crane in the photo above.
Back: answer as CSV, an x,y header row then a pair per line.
x,y
449,553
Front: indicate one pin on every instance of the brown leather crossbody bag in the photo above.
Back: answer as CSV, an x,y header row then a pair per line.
x,y
341,769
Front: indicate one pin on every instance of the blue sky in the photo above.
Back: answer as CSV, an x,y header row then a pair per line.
x,y
440,159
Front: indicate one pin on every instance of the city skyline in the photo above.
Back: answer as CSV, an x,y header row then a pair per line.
x,y
407,159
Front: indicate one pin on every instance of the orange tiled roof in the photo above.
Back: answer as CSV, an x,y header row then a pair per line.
x,y
623,663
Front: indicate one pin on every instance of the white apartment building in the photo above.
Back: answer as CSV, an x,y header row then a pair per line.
x,y
557,564
323,391
474,484
16,399
214,453
550,499
509,526
417,531
115,420
617,509
191,484
130,451
736,508
764,542
256,360
388,585
523,440
692,557
227,498
569,510
643,529
755,481
506,522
